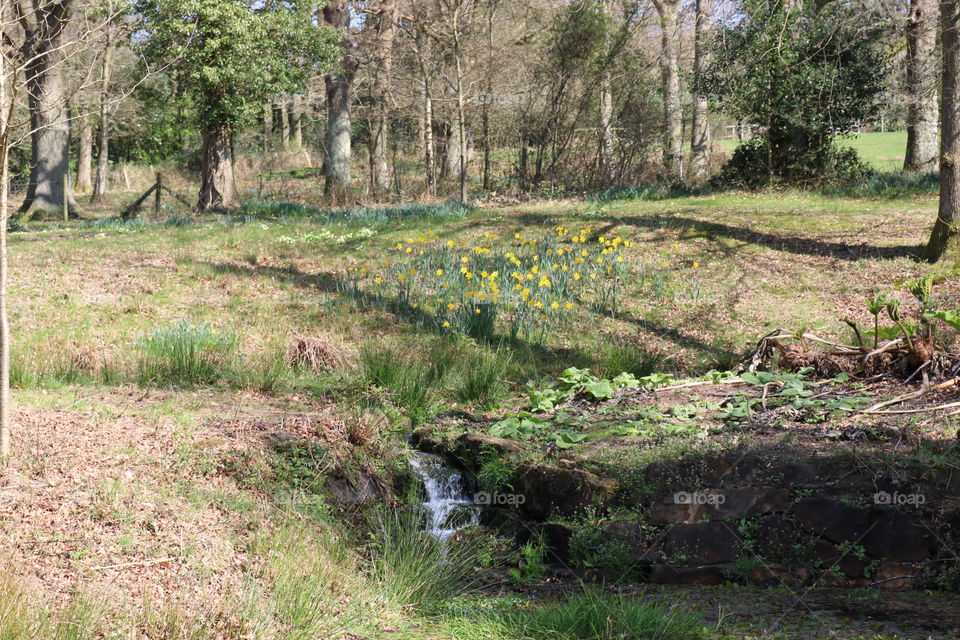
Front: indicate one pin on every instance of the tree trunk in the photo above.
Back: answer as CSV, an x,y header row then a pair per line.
x,y
380,125
452,157
944,242
49,140
606,132
284,123
700,126
921,153
267,125
428,154
6,109
336,140
217,187
103,150
85,156
670,76
296,121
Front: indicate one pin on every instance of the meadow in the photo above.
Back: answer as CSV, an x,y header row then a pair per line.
x,y
185,386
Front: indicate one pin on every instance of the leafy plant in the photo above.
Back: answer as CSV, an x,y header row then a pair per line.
x,y
184,353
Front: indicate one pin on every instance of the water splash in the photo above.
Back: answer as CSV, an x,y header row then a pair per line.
x,y
448,504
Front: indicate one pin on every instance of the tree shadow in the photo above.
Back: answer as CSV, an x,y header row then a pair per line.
x,y
539,354
790,244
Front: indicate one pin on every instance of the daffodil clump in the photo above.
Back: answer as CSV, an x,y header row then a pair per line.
x,y
527,286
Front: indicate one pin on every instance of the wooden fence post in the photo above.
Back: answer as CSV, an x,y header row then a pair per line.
x,y
156,196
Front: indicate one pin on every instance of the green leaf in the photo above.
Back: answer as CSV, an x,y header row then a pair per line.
x,y
600,389
567,439
950,316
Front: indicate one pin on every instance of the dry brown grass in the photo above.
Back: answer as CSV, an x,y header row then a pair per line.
x,y
316,354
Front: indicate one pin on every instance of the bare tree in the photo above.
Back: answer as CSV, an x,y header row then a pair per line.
x,y
84,181
103,147
336,142
700,126
921,153
944,241
606,132
672,132
385,30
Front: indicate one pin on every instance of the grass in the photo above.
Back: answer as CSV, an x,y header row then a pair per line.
x,y
412,569
183,354
590,615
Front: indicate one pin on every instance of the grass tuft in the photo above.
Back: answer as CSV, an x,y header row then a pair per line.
x,y
590,615
413,569
183,354
483,379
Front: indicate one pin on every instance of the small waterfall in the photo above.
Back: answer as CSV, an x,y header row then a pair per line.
x,y
448,505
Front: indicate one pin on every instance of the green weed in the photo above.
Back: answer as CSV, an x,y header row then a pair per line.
x,y
183,354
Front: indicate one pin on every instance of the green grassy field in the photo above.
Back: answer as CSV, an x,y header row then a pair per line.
x,y
882,151
173,487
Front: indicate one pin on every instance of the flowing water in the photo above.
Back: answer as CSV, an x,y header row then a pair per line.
x,y
448,504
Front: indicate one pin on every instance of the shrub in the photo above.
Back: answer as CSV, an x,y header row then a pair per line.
x,y
183,353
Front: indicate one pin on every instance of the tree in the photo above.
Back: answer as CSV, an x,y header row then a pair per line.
x,y
43,23
803,74
921,154
336,140
700,126
385,29
672,126
229,56
944,241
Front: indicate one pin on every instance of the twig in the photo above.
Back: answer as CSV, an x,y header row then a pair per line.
x,y
884,348
143,563
949,405
919,369
873,584
697,383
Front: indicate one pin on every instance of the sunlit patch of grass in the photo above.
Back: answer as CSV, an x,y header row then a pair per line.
x,y
590,615
184,353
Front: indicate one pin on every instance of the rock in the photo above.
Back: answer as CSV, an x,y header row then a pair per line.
x,y
628,531
364,490
830,556
430,440
504,520
772,575
797,474
703,543
669,574
662,473
895,575
896,536
775,537
556,538
675,513
472,445
835,521
748,502
548,489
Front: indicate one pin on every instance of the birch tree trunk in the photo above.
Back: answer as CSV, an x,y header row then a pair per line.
x,y
380,126
921,153
700,126
43,28
85,155
336,142
672,133
944,242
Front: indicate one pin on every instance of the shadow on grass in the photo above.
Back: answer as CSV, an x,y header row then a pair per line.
x,y
539,355
790,244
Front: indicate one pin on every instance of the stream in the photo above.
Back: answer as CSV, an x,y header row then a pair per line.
x,y
449,505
